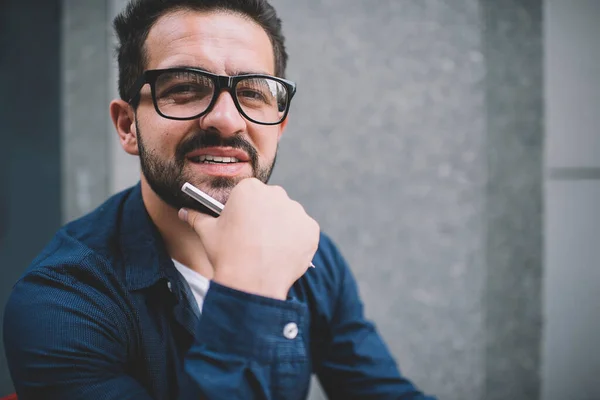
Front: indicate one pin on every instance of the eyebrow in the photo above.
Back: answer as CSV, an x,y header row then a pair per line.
x,y
236,73
252,73
187,66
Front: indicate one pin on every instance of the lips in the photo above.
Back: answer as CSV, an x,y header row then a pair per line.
x,y
218,155
215,159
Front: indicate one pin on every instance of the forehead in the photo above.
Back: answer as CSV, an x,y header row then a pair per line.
x,y
217,41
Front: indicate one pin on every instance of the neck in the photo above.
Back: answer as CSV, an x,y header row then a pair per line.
x,y
183,244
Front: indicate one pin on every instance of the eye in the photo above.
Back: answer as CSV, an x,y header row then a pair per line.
x,y
185,89
184,92
251,94
182,89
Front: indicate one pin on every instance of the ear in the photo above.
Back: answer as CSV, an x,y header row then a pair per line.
x,y
123,118
282,127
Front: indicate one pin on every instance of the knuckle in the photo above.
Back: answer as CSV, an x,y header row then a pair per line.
x,y
278,189
279,192
316,225
298,206
316,229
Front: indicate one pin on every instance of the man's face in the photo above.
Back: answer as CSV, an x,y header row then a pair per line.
x,y
174,152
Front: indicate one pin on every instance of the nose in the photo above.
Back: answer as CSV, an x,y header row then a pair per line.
x,y
224,117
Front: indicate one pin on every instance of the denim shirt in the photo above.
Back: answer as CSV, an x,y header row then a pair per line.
x,y
102,313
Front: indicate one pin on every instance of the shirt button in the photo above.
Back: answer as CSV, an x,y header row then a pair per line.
x,y
290,331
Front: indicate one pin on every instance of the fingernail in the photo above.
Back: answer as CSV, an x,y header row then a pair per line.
x,y
183,214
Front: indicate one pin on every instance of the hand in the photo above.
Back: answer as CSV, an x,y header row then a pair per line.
x,y
261,243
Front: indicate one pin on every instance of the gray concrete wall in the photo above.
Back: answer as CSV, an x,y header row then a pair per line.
x,y
124,169
416,140
386,149
433,111
86,58
571,364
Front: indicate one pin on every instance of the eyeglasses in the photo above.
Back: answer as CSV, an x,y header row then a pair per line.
x,y
189,93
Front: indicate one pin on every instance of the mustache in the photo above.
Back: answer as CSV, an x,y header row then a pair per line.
x,y
204,139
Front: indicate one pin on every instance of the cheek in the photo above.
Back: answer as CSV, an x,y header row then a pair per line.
x,y
162,134
265,139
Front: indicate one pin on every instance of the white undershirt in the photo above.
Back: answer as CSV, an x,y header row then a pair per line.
x,y
198,283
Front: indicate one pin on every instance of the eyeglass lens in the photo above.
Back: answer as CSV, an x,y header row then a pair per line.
x,y
187,94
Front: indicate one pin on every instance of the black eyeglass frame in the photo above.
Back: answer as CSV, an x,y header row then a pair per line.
x,y
221,82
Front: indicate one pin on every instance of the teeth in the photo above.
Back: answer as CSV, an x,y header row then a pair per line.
x,y
217,159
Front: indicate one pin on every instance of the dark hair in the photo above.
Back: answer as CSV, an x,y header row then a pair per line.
x,y
134,23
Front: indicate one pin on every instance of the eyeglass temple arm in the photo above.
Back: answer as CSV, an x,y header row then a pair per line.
x,y
135,89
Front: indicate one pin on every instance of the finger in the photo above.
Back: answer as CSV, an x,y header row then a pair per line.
x,y
198,221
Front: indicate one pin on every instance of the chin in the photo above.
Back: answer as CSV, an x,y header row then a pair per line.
x,y
221,195
218,188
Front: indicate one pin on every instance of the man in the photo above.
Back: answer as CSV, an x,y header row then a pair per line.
x,y
149,297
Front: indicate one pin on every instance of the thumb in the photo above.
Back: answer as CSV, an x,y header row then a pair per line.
x,y
200,222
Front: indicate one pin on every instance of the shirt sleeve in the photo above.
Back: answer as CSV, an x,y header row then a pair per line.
x,y
357,364
249,347
62,342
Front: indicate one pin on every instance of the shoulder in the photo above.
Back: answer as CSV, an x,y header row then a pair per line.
x,y
89,243
99,230
68,304
68,284
68,275
82,259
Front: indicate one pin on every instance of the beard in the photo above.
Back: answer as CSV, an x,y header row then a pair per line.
x,y
166,177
